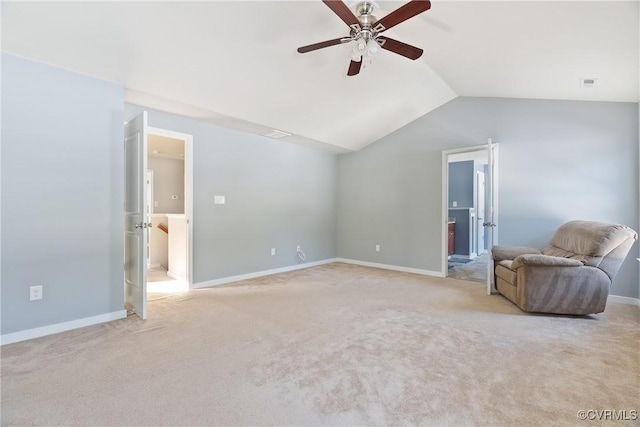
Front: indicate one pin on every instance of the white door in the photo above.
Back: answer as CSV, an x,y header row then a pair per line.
x,y
490,223
135,231
480,203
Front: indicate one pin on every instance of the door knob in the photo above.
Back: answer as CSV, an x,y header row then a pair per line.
x,y
488,224
141,225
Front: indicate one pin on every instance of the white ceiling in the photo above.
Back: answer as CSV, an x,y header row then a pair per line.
x,y
234,63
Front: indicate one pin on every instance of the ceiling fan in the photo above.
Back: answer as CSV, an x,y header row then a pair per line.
x,y
366,29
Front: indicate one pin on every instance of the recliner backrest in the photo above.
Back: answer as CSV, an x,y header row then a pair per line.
x,y
593,243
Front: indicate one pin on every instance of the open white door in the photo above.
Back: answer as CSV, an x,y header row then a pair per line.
x,y
136,227
490,224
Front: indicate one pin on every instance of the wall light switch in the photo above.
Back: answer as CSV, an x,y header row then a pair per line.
x,y
454,204
218,200
377,248
273,251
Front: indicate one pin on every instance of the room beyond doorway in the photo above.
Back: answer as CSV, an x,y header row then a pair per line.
x,y
469,189
169,203
473,270
159,282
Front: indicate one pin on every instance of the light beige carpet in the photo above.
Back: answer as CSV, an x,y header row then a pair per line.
x,y
331,345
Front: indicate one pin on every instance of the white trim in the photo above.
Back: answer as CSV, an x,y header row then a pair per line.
x,y
151,192
230,279
444,267
392,267
624,300
28,334
496,186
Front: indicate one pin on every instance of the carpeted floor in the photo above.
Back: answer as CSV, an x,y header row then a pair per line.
x,y
332,345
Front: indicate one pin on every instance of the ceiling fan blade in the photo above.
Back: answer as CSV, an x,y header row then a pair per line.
x,y
343,11
400,48
316,46
354,68
401,14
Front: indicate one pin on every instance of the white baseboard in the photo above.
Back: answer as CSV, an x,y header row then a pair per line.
x,y
231,279
624,300
392,267
61,327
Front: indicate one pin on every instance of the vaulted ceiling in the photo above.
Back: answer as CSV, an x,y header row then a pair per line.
x,y
234,63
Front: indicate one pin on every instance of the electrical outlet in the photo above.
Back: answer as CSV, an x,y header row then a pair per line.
x,y
35,293
377,248
454,204
273,251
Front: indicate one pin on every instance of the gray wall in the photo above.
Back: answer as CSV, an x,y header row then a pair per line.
x,y
559,160
461,229
278,195
168,180
62,194
390,193
461,184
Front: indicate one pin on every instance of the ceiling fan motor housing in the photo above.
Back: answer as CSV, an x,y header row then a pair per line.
x,y
364,12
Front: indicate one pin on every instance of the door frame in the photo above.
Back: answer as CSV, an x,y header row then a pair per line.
x,y
445,197
479,174
188,189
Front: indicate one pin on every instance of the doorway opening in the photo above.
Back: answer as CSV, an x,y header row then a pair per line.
x,y
168,211
469,212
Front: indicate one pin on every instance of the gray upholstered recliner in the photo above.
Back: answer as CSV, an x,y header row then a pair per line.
x,y
570,276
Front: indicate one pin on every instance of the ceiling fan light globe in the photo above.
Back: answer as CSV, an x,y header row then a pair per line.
x,y
360,47
372,47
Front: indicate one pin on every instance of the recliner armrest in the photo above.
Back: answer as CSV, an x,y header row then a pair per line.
x,y
501,253
544,261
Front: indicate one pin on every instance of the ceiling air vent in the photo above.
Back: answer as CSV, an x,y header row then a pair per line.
x,y
276,134
588,82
